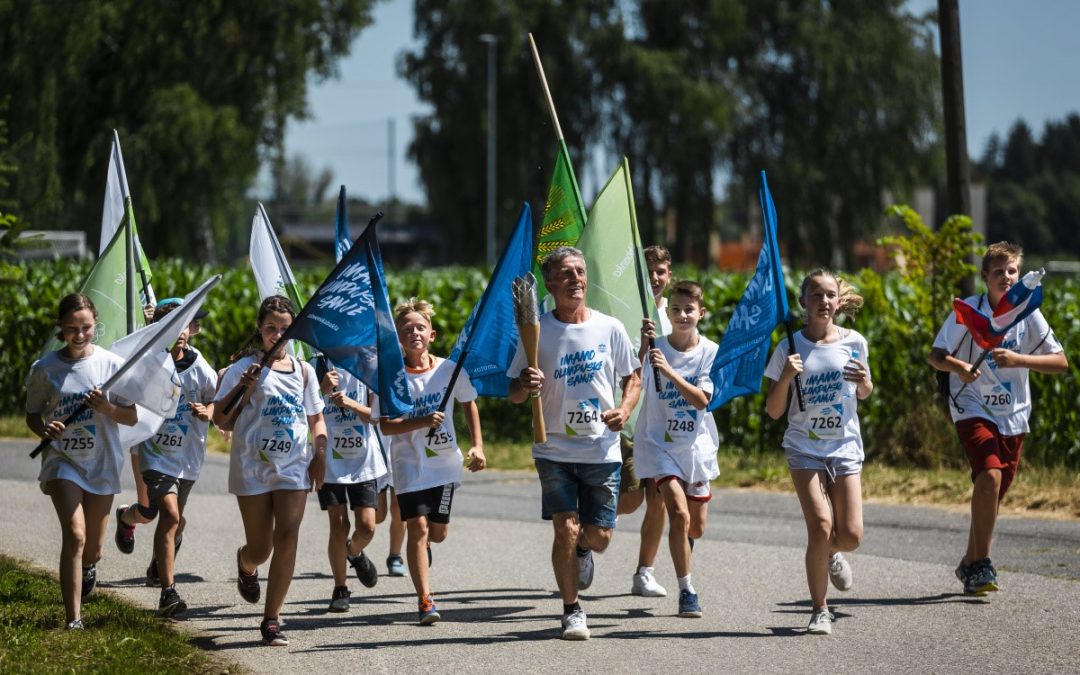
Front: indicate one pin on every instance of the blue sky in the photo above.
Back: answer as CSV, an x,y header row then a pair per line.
x,y
1016,65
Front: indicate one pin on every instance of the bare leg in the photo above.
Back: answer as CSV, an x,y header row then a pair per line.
x,y
846,497
984,511
810,486
365,530
417,554
165,537
288,512
67,501
679,530
336,547
652,525
397,526
564,555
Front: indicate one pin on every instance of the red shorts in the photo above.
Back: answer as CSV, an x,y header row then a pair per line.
x,y
986,448
695,492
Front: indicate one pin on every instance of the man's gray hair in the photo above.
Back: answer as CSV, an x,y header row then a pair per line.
x,y
557,256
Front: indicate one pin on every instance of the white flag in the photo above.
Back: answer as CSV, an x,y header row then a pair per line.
x,y
151,381
273,275
116,190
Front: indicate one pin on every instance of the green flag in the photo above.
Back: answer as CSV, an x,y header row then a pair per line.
x,y
107,285
564,213
618,277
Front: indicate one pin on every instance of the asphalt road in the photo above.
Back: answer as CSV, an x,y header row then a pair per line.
x,y
496,592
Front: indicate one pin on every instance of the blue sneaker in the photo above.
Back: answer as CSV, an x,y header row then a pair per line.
x,y
395,566
981,579
429,613
689,607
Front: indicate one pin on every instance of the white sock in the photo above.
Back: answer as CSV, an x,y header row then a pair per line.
x,y
685,585
645,571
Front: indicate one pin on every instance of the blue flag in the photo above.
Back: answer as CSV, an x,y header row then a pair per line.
x,y
487,343
740,359
349,320
342,241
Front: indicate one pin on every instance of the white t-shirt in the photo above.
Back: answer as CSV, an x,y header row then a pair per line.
x,y
270,448
665,322
179,446
672,437
352,452
419,463
89,453
830,425
582,363
1000,395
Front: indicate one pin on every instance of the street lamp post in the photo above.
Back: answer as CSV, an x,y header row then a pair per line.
x,y
491,41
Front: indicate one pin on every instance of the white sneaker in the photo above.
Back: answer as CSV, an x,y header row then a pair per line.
x,y
840,572
820,622
586,568
645,585
574,627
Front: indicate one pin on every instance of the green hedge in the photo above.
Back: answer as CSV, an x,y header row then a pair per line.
x,y
902,422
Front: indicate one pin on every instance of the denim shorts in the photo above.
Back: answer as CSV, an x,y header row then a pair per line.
x,y
590,490
831,466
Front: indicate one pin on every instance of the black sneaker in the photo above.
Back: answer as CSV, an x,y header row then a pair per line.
x,y
171,604
339,602
271,633
365,569
89,580
152,578
248,584
125,534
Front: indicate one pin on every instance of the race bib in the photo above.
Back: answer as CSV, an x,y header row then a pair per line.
x,y
996,399
680,425
582,418
78,443
441,441
277,448
170,438
826,422
349,442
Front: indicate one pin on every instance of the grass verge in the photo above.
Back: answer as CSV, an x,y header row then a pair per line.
x,y
119,638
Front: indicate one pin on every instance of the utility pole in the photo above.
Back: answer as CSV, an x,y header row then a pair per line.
x,y
492,107
958,178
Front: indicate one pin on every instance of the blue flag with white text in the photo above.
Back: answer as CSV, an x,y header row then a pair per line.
x,y
342,241
740,359
349,320
490,336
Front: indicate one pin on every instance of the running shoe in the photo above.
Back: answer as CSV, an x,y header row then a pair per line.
x,y
340,600
646,585
171,604
395,566
840,572
248,584
689,607
271,633
77,624
89,580
429,613
821,622
586,569
574,626
125,534
981,579
365,569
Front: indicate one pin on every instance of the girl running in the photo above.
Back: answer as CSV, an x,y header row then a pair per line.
x,y
272,466
80,470
823,444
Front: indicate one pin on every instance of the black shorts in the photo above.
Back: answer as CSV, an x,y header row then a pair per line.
x,y
433,503
354,495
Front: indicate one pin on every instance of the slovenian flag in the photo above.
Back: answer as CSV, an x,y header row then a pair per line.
x,y
1023,298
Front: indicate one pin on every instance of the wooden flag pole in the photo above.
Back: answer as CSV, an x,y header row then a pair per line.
x,y
544,84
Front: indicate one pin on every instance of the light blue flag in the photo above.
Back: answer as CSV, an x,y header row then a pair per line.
x,y
342,240
487,343
740,360
349,320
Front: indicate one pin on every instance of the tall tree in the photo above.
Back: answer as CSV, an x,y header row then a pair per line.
x,y
842,103
448,71
200,93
